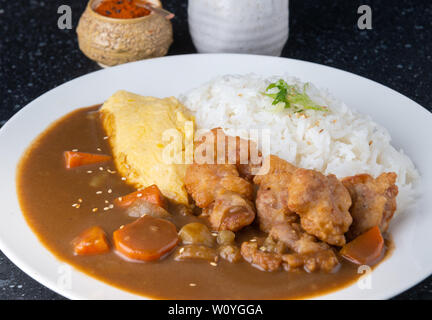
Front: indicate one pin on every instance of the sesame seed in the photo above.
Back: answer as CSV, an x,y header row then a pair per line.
x,y
89,171
192,284
74,205
181,250
101,168
95,209
122,226
98,149
123,178
106,137
98,192
253,240
80,200
111,206
139,195
74,150
120,198
109,190
106,201
106,209
214,264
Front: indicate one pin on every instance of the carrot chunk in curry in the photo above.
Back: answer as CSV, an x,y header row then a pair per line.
x,y
77,159
146,239
91,241
366,248
150,194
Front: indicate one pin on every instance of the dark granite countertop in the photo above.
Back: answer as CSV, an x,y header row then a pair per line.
x,y
35,56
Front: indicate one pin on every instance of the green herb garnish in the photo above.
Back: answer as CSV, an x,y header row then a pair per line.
x,y
292,97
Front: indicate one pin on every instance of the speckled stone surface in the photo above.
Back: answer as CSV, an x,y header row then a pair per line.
x,y
35,56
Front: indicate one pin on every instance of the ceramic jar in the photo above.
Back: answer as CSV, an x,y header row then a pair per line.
x,y
239,26
111,41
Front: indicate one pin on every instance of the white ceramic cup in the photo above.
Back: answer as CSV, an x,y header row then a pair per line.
x,y
239,26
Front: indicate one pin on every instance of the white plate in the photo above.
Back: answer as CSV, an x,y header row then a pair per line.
x,y
409,124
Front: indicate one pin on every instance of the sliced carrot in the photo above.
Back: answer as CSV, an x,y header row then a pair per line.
x,y
146,239
151,194
77,159
91,241
366,248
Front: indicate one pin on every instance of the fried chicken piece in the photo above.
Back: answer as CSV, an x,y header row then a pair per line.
x,y
267,261
220,191
273,165
226,149
204,182
230,211
309,253
322,202
224,196
305,251
373,201
324,260
272,196
281,222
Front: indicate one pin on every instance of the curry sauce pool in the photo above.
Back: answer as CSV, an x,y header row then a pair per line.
x,y
48,210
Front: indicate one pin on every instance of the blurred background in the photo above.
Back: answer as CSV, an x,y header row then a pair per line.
x,y
36,56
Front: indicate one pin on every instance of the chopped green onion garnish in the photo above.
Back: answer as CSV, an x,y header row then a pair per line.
x,y
292,97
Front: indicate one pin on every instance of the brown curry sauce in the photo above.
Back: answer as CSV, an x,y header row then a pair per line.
x,y
59,204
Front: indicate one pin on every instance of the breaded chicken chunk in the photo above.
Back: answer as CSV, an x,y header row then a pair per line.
x,y
224,196
272,195
308,253
226,149
287,244
322,202
204,182
373,201
266,261
218,188
230,211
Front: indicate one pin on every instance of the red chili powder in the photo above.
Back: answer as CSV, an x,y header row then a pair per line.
x,y
121,9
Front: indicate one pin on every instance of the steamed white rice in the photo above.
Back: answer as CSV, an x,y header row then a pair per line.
x,y
341,141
